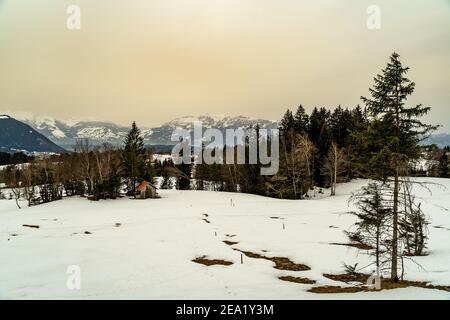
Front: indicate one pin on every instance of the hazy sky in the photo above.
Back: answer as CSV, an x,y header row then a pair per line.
x,y
153,60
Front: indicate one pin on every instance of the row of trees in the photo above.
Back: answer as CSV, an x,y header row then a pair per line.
x,y
14,158
98,172
438,160
315,151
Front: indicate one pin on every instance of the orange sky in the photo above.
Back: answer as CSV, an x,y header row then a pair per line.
x,y
156,60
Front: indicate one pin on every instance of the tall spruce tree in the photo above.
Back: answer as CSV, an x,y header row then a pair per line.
x,y
183,173
287,123
319,134
133,157
301,121
393,135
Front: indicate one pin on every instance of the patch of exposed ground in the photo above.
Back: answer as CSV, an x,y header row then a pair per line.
x,y
441,227
230,243
357,245
297,280
348,277
361,279
211,262
31,226
281,263
333,289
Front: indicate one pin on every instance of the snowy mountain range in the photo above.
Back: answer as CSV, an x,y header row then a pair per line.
x,y
65,132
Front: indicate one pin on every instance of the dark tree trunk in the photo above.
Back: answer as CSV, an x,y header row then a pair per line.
x,y
394,275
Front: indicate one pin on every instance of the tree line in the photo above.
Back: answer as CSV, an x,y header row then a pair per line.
x,y
14,158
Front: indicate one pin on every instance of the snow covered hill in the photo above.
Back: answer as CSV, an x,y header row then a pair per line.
x,y
143,249
18,136
65,132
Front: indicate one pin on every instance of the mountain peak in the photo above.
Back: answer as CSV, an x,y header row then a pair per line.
x,y
19,136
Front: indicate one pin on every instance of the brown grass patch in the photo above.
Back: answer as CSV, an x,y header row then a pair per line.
x,y
230,243
333,289
297,280
348,277
281,263
386,284
211,262
286,264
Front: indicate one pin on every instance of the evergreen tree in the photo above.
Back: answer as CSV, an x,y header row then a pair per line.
x,y
319,134
393,135
165,173
183,172
287,123
301,121
340,123
113,183
133,158
443,167
373,214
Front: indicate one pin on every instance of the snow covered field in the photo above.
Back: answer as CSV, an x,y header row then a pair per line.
x,y
142,249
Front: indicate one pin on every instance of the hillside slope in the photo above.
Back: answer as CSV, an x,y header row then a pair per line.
x,y
18,136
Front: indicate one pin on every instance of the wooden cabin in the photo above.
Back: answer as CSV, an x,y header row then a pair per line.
x,y
145,190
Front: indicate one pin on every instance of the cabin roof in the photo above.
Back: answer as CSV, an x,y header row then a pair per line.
x,y
144,185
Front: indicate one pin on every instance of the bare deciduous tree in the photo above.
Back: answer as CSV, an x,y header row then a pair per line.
x,y
334,165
